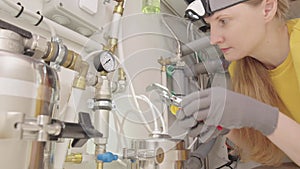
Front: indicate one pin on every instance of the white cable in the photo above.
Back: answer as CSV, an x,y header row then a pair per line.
x,y
91,54
165,111
133,93
121,162
52,30
179,51
130,85
188,29
144,98
120,49
154,110
120,129
193,142
142,116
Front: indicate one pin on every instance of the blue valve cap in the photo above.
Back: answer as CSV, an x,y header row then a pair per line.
x,y
107,157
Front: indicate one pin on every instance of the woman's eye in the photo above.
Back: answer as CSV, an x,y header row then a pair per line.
x,y
223,22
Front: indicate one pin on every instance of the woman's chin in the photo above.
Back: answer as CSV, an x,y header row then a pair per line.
x,y
230,57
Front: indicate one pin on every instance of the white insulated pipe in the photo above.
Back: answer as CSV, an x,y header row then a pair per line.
x,y
196,45
14,9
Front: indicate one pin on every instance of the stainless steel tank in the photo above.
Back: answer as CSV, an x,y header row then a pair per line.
x,y
28,92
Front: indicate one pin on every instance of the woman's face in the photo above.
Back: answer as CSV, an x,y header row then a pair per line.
x,y
238,30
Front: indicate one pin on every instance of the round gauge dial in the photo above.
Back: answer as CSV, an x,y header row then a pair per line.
x,y
105,62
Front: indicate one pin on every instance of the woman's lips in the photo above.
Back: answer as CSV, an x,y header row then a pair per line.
x,y
225,50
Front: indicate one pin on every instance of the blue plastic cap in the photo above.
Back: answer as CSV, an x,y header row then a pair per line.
x,y
107,157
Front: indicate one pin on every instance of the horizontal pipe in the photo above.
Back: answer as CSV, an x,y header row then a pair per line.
x,y
13,9
196,45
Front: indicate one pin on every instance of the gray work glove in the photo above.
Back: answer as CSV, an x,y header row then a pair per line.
x,y
211,112
197,156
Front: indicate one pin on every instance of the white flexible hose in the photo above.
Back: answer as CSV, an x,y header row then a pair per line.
x,y
154,111
130,85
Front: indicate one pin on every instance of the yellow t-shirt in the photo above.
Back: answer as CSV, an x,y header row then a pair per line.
x,y
286,77
286,84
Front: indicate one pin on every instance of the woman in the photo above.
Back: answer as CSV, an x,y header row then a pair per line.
x,y
265,52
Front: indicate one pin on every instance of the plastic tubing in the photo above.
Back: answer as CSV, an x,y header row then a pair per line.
x,y
130,84
179,52
153,110
119,129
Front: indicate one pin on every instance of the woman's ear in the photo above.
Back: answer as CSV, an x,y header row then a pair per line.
x,y
270,9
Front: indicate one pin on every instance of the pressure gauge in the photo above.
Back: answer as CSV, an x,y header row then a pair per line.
x,y
105,62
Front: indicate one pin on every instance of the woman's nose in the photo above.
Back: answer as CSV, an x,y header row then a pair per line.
x,y
215,37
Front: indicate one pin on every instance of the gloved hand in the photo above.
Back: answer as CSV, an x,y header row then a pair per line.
x,y
197,156
207,113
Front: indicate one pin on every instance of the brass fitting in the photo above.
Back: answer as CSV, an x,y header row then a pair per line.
x,y
82,68
74,158
51,52
119,7
99,165
164,62
112,45
163,68
103,73
71,60
122,75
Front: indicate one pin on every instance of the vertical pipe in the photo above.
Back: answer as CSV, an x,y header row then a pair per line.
x,y
37,155
102,125
164,106
102,109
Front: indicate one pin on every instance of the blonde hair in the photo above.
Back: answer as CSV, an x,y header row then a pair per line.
x,y
250,77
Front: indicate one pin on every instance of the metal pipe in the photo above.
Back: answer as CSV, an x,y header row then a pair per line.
x,y
56,51
164,106
102,105
100,149
211,66
115,26
196,45
37,155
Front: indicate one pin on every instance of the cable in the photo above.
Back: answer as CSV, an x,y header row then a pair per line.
x,y
232,159
153,108
121,162
144,98
226,165
193,142
119,128
179,52
130,84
